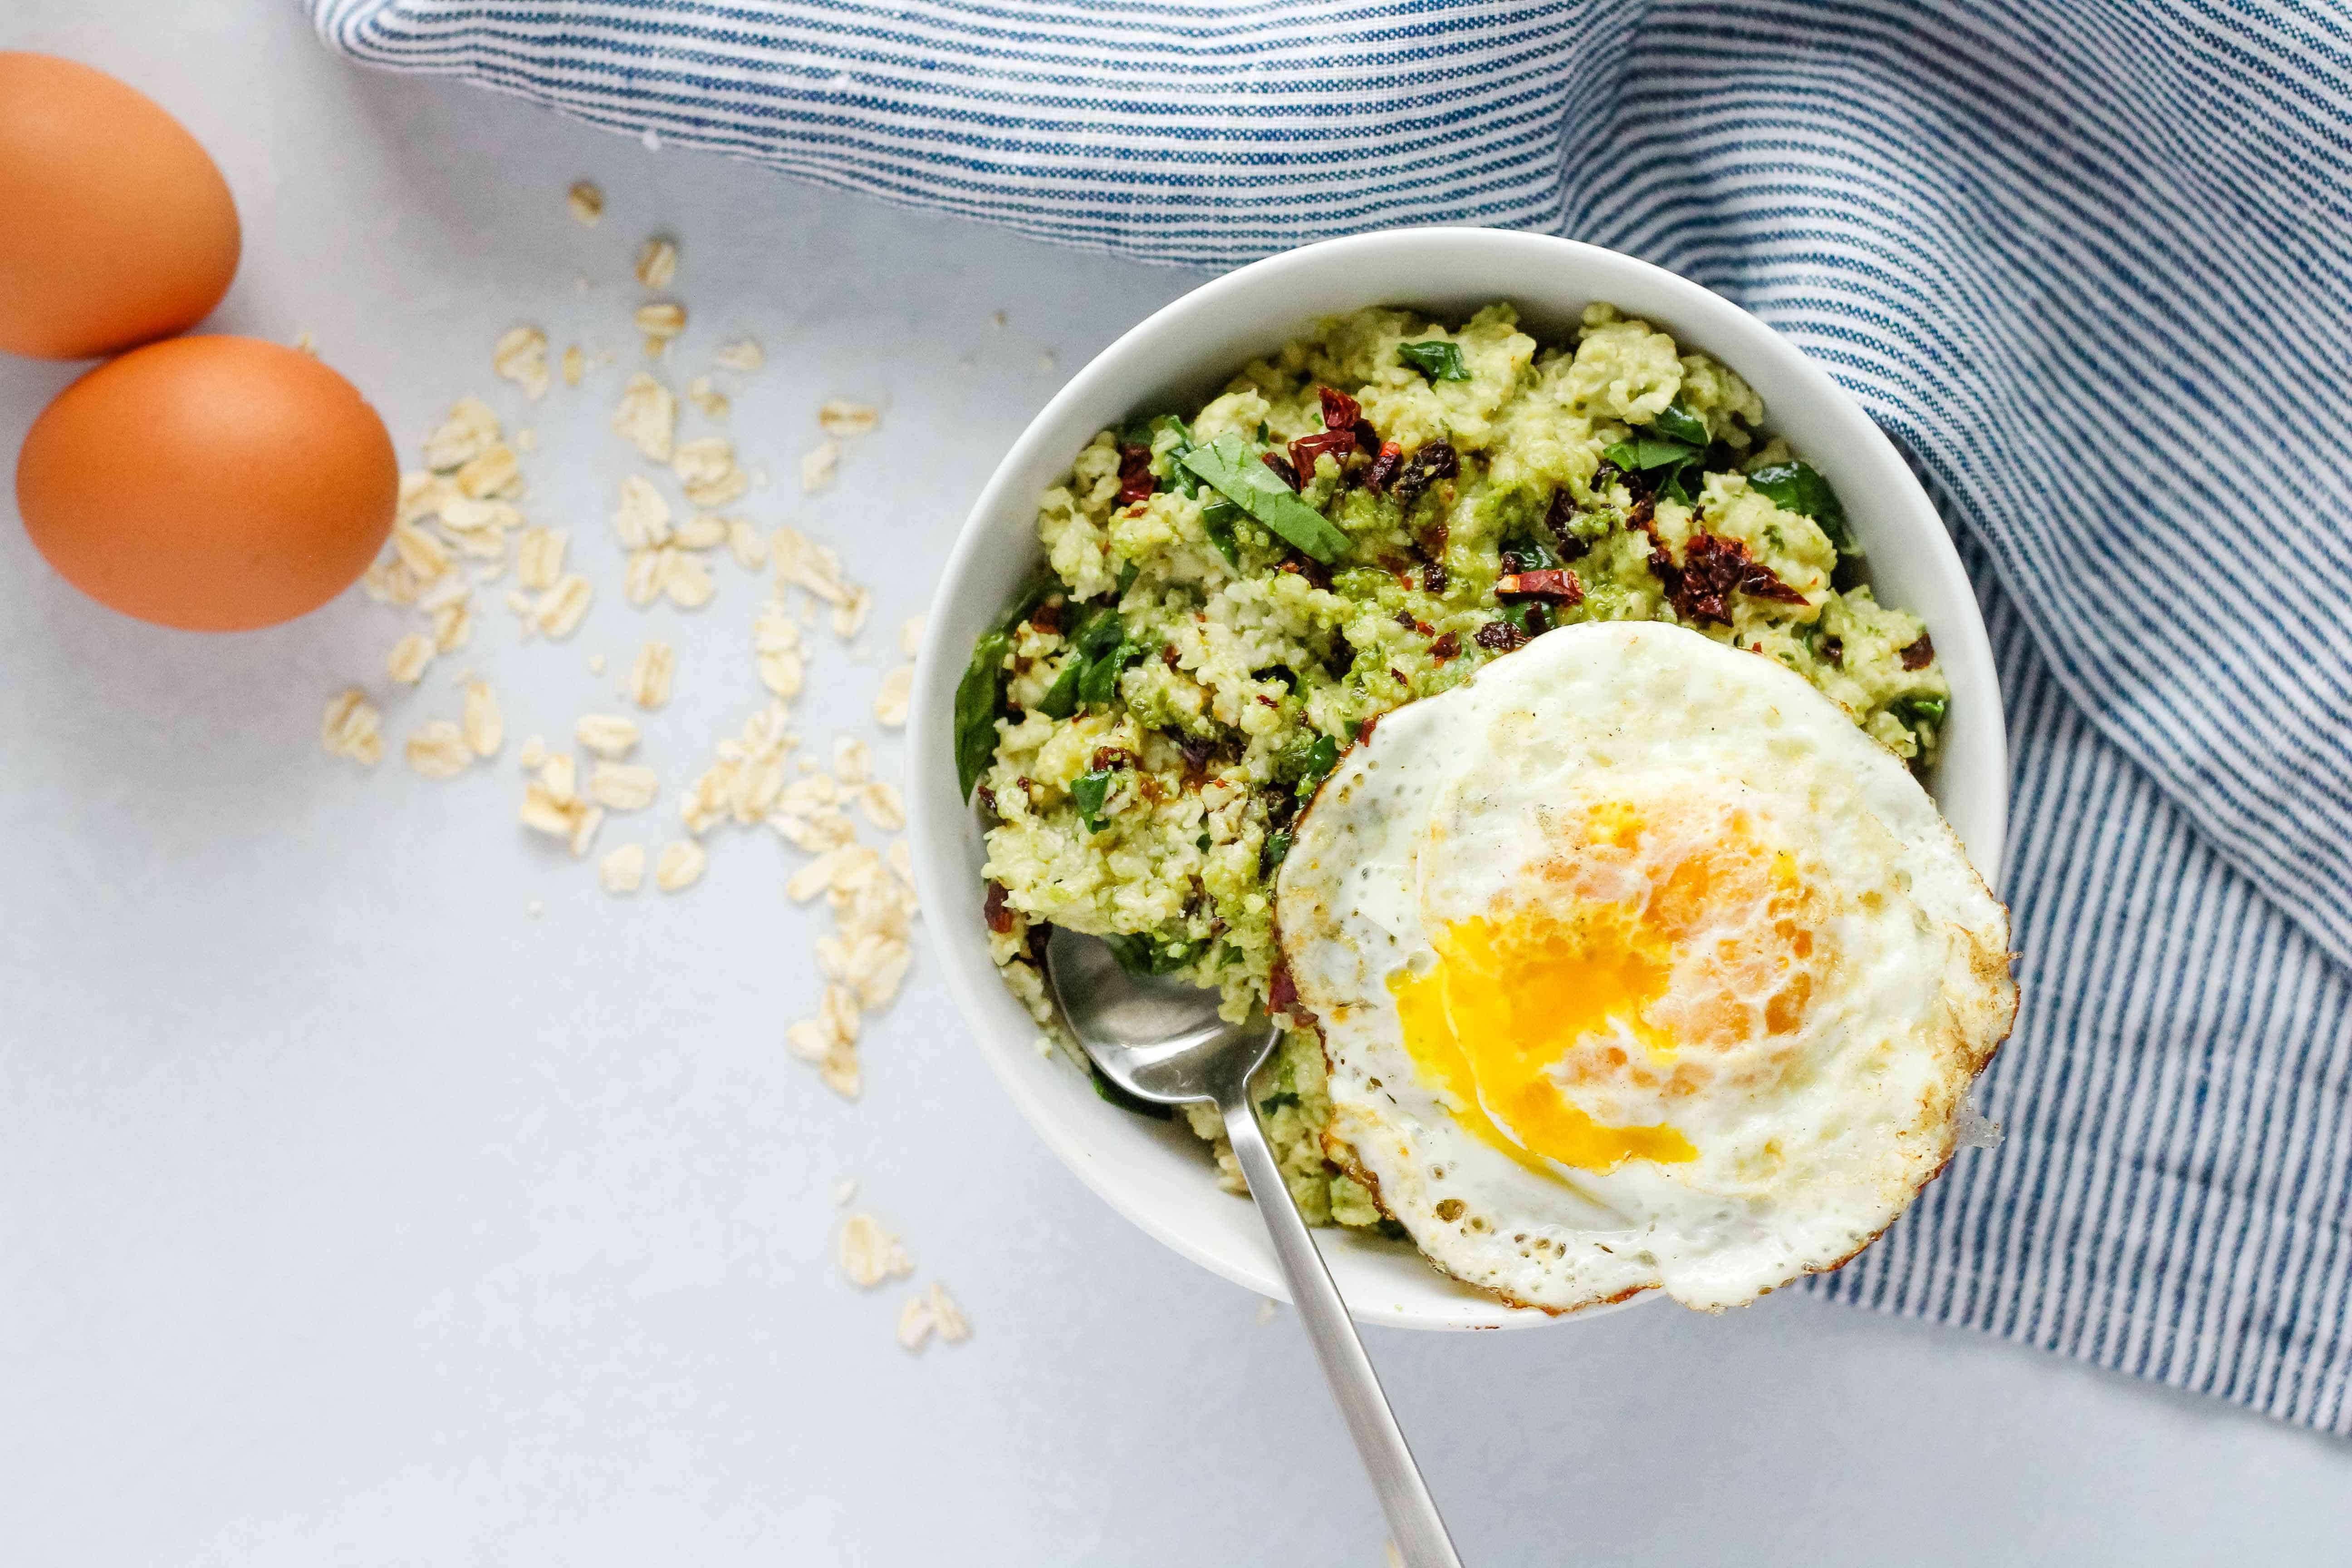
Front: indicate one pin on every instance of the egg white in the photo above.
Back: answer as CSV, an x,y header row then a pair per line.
x,y
1809,1123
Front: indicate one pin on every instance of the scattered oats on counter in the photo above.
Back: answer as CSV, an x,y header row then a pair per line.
x,y
910,636
408,659
438,750
551,805
743,355
485,725
660,322
843,1193
840,417
557,613
534,753
869,1254
576,365
683,862
686,581
884,806
624,786
647,417
520,356
930,1311
622,870
743,543
657,262
608,736
649,678
643,520
704,532
707,472
818,466
352,728
896,696
587,203
713,402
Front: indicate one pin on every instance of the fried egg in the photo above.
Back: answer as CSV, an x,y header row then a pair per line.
x,y
1637,965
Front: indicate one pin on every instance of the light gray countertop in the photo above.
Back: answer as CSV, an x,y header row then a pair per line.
x,y
349,1213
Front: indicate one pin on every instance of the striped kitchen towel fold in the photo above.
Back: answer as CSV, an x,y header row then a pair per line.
x,y
2087,259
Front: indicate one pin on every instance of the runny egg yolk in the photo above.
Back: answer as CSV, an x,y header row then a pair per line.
x,y
1647,948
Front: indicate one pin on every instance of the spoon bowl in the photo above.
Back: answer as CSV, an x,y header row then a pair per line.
x,y
1161,1041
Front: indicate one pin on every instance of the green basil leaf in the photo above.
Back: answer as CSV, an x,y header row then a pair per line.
x,y
1217,519
1321,758
1644,453
1799,487
1061,698
1233,471
976,699
1100,681
1098,632
1277,849
1914,712
1679,424
1439,358
1089,794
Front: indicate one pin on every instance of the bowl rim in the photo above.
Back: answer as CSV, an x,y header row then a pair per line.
x,y
1962,643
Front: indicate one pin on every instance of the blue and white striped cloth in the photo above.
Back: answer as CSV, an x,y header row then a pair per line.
x,y
2087,259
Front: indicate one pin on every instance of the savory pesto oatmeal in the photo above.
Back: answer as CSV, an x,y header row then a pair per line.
x,y
1360,521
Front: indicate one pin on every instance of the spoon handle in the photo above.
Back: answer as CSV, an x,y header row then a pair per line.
x,y
1413,1517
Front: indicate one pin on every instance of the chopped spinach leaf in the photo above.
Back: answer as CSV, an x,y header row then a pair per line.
x,y
1061,698
978,696
1089,792
1438,359
1914,712
1302,762
1232,470
1679,424
1276,1101
1799,487
1277,847
1217,519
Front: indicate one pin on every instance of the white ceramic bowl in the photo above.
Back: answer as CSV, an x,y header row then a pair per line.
x,y
1158,1175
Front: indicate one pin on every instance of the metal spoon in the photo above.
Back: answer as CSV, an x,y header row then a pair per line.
x,y
1161,1040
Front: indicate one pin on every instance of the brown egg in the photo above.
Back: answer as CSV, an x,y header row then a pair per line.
x,y
118,229
211,483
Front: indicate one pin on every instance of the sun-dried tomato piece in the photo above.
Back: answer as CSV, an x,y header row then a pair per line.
x,y
1364,729
1367,438
1435,578
1712,568
1427,466
987,799
1919,655
1556,520
1833,650
1307,449
1500,637
999,913
1047,616
1281,991
1384,466
1557,584
1341,411
1281,467
1446,646
1136,481
1313,571
1111,757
